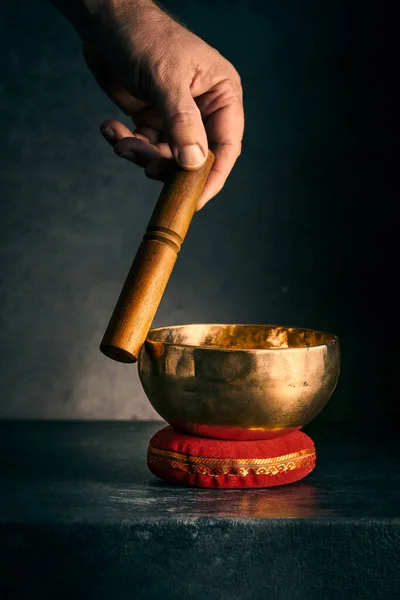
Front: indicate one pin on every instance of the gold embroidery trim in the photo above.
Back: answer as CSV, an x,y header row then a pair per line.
x,y
230,466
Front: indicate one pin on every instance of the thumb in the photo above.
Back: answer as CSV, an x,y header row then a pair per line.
x,y
184,129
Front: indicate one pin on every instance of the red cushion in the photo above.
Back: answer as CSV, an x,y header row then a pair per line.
x,y
210,463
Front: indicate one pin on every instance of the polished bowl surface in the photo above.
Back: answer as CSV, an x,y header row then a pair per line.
x,y
239,382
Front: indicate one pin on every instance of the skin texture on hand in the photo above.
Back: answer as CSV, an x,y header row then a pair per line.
x,y
182,95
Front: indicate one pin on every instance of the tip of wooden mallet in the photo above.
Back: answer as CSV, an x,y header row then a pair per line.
x,y
118,354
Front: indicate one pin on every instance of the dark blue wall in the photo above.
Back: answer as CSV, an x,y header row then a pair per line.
x,y
302,234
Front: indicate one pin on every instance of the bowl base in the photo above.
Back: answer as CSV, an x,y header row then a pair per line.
x,y
234,433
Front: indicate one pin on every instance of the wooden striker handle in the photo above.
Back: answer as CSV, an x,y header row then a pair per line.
x,y
153,264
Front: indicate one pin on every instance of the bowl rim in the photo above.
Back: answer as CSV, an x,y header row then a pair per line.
x,y
334,338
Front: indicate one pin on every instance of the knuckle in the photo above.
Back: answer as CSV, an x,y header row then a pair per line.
x,y
183,118
232,76
231,90
236,78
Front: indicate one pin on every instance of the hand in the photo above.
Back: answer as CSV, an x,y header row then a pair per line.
x,y
182,95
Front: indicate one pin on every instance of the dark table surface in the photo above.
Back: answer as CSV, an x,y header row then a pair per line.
x,y
81,514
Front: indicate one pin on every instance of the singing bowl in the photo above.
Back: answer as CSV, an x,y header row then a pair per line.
x,y
238,382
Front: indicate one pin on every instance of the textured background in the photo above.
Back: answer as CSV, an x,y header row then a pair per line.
x,y
301,234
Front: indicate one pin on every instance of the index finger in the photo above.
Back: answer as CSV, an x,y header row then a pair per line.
x,y
224,129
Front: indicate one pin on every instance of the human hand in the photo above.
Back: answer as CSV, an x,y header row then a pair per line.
x,y
182,95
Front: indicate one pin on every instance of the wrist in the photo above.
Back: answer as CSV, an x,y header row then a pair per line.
x,y
128,24
90,17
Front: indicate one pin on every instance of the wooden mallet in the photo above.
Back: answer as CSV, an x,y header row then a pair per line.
x,y
153,264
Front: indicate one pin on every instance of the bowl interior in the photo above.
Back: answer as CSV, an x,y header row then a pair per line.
x,y
240,337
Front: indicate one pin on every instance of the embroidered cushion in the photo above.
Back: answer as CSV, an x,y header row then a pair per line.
x,y
212,463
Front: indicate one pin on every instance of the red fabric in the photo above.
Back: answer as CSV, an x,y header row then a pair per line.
x,y
180,469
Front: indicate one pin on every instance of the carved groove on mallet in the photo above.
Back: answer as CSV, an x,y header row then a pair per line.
x,y
164,235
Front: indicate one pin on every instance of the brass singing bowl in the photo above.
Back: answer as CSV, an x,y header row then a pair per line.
x,y
238,382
